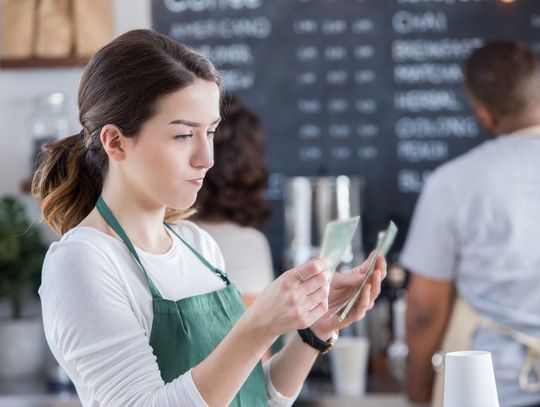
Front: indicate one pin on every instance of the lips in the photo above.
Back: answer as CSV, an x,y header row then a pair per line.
x,y
197,181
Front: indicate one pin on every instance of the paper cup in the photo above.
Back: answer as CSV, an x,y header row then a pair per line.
x,y
349,360
469,380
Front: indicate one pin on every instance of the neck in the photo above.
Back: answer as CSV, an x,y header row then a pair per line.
x,y
140,217
514,123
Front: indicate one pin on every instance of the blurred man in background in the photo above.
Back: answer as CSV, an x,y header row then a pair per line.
x,y
473,247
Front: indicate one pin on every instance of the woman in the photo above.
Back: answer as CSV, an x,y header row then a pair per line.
x,y
231,205
136,306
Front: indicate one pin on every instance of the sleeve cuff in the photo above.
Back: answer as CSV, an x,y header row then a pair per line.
x,y
191,391
275,398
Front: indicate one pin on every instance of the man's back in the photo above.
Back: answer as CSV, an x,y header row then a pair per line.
x,y
477,223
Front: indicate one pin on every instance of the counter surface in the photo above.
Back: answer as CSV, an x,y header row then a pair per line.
x,y
371,400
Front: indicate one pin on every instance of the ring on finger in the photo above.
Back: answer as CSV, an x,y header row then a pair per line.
x,y
298,276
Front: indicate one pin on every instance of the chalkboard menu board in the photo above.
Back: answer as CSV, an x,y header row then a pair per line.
x,y
355,87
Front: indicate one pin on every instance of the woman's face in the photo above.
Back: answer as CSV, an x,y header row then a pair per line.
x,y
168,160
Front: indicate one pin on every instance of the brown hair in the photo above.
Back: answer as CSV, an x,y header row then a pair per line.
x,y
233,189
121,85
503,76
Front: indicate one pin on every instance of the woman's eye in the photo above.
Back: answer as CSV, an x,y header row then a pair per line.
x,y
211,133
183,136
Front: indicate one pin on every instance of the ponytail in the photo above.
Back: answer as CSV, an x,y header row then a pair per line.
x,y
68,182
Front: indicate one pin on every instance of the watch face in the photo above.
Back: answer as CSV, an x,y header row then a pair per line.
x,y
330,346
331,342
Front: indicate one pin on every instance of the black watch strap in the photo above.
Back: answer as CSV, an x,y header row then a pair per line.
x,y
312,340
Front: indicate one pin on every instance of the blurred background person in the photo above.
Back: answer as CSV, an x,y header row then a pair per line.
x,y
473,243
231,205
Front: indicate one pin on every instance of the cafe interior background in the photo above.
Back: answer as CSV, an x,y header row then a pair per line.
x,y
360,101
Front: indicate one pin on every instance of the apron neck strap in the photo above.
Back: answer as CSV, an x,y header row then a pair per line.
x,y
107,214
213,269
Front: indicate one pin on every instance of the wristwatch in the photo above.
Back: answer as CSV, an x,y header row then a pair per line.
x,y
312,340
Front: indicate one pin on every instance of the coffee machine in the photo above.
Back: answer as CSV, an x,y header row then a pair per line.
x,y
310,203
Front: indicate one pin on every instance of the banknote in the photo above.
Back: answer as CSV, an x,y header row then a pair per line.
x,y
385,239
337,240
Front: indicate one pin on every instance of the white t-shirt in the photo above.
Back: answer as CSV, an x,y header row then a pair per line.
x,y
477,223
97,314
246,253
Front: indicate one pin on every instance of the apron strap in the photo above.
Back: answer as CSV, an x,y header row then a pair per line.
x,y
464,322
213,269
532,363
109,217
113,223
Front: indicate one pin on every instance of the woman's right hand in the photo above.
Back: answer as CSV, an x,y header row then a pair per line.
x,y
295,300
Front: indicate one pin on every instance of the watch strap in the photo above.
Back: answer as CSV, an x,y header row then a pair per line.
x,y
312,340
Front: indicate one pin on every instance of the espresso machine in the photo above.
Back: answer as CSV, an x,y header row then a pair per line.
x,y
309,204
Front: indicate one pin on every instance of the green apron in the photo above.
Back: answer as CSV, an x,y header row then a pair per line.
x,y
186,331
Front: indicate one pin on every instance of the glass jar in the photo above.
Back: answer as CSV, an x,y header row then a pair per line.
x,y
48,122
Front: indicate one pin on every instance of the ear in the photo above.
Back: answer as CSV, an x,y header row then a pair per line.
x,y
486,118
114,142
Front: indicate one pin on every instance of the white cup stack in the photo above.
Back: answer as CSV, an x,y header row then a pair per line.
x,y
469,380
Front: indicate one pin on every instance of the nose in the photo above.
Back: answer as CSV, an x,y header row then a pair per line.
x,y
203,153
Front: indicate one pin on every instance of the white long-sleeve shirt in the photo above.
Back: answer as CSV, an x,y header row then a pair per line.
x,y
97,315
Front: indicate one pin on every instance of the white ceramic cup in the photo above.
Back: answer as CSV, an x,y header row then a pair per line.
x,y
349,361
469,380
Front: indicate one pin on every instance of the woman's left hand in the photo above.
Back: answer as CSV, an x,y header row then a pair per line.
x,y
342,288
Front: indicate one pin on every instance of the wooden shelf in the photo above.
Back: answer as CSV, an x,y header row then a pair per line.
x,y
31,63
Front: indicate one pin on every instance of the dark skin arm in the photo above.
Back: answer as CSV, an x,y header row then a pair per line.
x,y
429,304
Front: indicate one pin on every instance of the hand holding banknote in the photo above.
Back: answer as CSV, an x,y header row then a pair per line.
x,y
342,288
353,293
384,242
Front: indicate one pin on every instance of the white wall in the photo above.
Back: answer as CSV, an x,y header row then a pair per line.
x,y
19,86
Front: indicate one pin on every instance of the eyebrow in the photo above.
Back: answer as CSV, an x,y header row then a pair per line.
x,y
193,124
